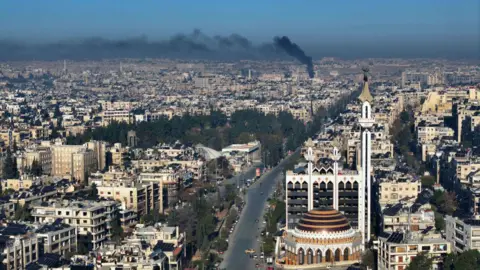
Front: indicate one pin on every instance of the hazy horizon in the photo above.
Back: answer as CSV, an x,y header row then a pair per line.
x,y
346,29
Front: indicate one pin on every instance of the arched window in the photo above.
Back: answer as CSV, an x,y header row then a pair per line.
x,y
349,186
309,256
319,256
323,186
337,255
304,185
330,171
323,171
290,185
297,185
301,256
330,186
345,254
355,185
341,186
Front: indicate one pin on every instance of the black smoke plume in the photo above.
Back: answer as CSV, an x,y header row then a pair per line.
x,y
294,50
195,45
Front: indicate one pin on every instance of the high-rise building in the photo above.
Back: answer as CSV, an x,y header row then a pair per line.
x,y
78,161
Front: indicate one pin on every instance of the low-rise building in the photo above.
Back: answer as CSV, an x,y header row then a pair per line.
x,y
20,246
462,234
397,250
58,238
92,219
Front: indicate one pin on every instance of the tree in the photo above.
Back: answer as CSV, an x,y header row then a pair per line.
x,y
420,262
221,244
428,181
368,259
57,113
450,204
10,170
439,222
93,192
22,213
116,229
466,260
36,168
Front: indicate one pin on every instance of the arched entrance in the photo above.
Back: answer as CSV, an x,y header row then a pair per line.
x,y
337,255
309,256
301,256
319,256
328,256
345,254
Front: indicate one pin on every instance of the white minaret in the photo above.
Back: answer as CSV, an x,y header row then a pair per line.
x,y
364,196
335,157
309,157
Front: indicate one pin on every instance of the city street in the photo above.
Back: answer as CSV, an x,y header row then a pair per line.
x,y
247,231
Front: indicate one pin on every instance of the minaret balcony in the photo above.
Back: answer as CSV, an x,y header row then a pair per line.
x,y
366,122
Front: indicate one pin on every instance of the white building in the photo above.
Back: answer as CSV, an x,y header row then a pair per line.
x,y
463,234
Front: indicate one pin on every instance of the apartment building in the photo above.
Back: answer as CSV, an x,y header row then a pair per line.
x,y
427,133
40,154
117,105
118,155
393,190
20,246
168,239
91,219
397,250
168,181
116,116
464,167
401,217
462,234
58,238
77,161
142,198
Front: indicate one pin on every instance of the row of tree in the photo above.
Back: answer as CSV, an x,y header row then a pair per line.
x,y
455,261
277,134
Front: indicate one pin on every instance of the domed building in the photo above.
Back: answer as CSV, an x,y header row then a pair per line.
x,y
322,237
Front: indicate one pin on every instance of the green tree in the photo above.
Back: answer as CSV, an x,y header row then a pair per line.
x,y
439,222
221,244
22,213
469,259
420,262
10,170
93,192
57,113
36,168
368,259
466,260
116,229
428,181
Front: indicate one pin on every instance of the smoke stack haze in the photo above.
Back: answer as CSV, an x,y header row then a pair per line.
x,y
294,50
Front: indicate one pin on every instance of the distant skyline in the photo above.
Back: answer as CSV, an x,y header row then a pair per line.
x,y
448,25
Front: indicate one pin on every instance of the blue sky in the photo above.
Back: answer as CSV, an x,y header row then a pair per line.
x,y
259,20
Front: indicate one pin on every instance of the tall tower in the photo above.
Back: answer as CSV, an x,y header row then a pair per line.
x,y
64,67
335,157
366,122
310,158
